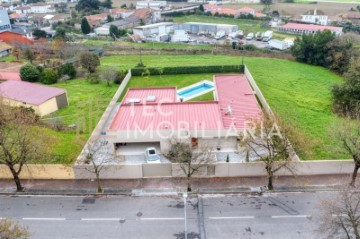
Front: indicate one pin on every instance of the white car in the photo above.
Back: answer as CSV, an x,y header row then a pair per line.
x,y
152,156
250,36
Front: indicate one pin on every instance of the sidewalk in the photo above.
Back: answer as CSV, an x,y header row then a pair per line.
x,y
173,186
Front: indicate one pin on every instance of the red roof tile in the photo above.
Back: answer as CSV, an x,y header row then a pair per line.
x,y
310,27
189,115
10,76
235,94
162,94
29,93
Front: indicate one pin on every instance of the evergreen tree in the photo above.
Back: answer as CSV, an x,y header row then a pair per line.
x,y
85,26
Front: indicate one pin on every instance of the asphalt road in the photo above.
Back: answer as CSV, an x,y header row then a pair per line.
x,y
276,215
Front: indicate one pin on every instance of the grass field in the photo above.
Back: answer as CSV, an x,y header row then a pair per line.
x,y
87,102
154,45
298,92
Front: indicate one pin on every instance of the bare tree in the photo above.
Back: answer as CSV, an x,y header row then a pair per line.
x,y
19,142
348,132
109,74
190,160
12,230
340,216
98,155
270,143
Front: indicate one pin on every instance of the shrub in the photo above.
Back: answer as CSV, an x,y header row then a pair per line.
x,y
49,76
67,69
29,73
120,77
139,71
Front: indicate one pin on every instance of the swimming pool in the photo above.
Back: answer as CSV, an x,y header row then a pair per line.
x,y
195,90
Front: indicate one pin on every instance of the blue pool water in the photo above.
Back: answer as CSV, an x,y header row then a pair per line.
x,y
195,90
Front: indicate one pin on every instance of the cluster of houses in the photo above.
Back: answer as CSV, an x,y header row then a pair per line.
x,y
221,9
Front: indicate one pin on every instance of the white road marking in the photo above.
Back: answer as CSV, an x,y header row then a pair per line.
x,y
160,218
100,219
225,218
44,218
292,216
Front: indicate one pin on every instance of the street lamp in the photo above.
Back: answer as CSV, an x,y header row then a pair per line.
x,y
185,195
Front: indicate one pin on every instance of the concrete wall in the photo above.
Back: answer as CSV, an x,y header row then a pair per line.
x,y
40,171
132,171
300,168
157,170
14,103
48,107
110,171
100,127
257,90
62,100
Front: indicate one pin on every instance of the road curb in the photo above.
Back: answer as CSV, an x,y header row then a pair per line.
x,y
158,192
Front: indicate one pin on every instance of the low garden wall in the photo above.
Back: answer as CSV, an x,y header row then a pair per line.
x,y
133,171
41,171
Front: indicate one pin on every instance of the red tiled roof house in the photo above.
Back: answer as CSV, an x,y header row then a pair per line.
x,y
43,99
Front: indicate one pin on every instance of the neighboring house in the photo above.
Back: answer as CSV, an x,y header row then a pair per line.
x,y
15,39
23,10
43,99
56,18
9,7
353,17
315,17
42,7
4,21
127,23
154,29
155,5
97,19
18,17
215,125
61,1
120,13
226,11
147,15
35,8
297,28
23,28
247,11
4,75
259,15
5,49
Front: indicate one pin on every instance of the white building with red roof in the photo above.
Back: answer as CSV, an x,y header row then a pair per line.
x,y
149,116
298,28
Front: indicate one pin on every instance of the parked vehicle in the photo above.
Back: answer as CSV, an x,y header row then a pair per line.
x,y
259,36
278,45
220,34
240,34
180,36
250,36
267,36
152,156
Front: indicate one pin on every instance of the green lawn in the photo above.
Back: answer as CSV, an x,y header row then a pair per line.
x,y
87,102
154,45
298,92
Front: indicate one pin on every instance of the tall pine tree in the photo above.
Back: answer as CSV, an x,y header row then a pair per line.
x,y
85,27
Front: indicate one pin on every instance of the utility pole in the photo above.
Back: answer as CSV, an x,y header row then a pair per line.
x,y
185,217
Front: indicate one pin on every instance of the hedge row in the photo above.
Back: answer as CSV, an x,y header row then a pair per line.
x,y
139,71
